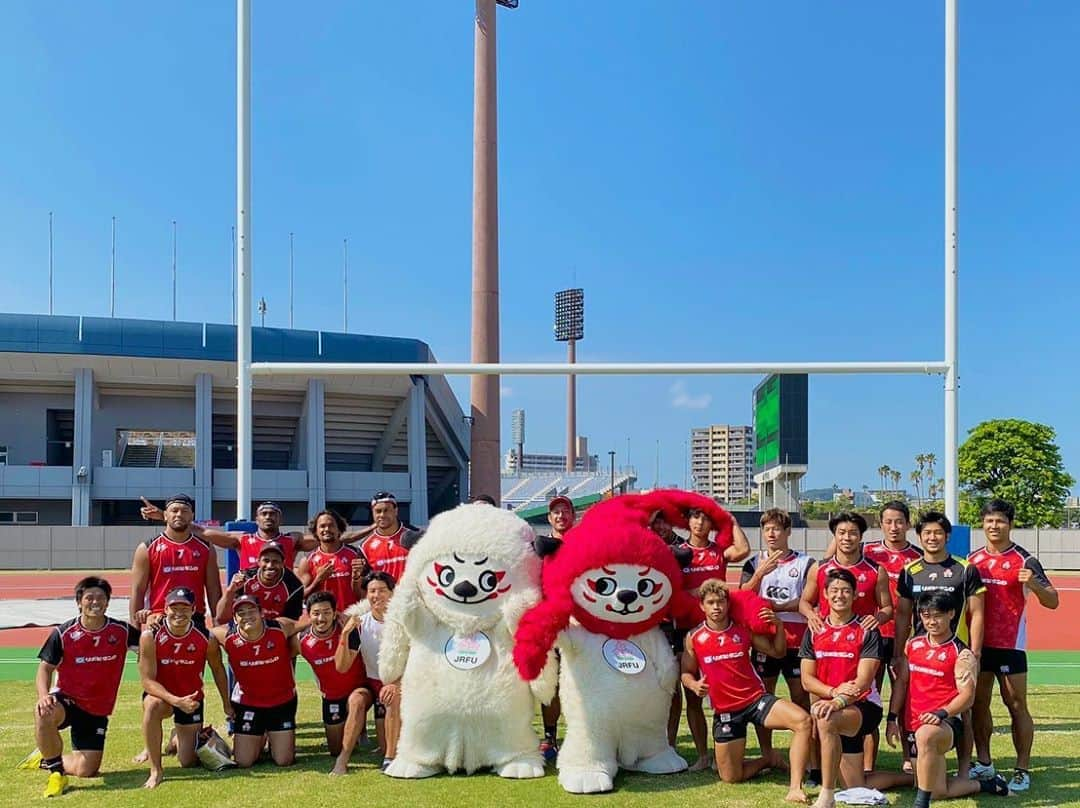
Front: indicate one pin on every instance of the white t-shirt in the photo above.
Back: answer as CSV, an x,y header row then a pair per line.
x,y
370,639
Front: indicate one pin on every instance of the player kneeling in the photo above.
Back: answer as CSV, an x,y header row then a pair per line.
x,y
717,663
361,637
264,697
935,686
342,695
171,663
839,668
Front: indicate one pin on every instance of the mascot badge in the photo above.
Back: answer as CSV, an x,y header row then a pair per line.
x,y
448,638
607,586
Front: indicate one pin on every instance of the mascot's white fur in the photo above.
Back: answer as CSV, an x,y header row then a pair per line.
x,y
448,638
607,586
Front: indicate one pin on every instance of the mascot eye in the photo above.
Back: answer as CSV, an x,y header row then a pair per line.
x,y
488,580
604,586
647,587
445,575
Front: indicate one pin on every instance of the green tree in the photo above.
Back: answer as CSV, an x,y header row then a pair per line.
x,y
1017,461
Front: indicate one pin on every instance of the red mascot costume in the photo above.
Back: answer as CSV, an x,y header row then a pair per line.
x,y
606,588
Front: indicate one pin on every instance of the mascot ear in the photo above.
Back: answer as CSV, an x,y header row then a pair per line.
x,y
409,538
546,545
683,556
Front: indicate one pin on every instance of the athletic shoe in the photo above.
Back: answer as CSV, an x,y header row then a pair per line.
x,y
56,785
996,785
30,762
1021,781
386,764
980,771
549,749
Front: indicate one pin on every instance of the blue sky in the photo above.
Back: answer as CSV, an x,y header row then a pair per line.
x,y
728,181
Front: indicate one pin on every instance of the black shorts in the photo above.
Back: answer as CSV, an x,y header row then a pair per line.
x,y
772,667
871,718
335,711
888,647
955,723
1003,661
375,686
87,730
728,727
676,637
257,720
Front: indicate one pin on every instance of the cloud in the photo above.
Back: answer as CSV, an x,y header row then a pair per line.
x,y
506,390
681,398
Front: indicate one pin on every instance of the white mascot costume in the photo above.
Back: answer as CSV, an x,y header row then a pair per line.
x,y
449,638
607,586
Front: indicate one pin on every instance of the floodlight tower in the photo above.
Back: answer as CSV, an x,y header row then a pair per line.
x,y
517,436
484,390
569,328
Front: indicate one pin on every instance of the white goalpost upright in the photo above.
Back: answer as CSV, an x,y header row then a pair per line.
x,y
246,370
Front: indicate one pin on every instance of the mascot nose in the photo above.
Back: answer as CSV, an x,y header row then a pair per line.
x,y
465,590
626,596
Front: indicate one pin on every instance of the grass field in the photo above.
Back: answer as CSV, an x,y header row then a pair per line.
x,y
1056,766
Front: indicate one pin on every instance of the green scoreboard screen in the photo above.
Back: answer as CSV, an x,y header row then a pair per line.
x,y
780,422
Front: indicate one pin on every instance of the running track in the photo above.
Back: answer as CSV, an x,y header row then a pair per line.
x,y
1047,630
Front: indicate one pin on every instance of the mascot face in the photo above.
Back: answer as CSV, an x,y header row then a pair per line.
x,y
622,593
467,582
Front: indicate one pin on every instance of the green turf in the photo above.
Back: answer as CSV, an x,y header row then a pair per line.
x,y
1056,769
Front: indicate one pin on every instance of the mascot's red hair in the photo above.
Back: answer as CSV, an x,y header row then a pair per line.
x,y
606,587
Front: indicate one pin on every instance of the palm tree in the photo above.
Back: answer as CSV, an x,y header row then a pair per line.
x,y
883,472
895,475
916,480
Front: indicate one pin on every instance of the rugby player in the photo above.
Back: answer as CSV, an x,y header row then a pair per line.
x,y
872,603
172,658
278,591
384,545
334,567
176,558
1009,572
716,663
260,653
935,686
341,693
247,545
561,516
362,636
937,571
779,575
676,637
892,553
86,654
707,561
839,668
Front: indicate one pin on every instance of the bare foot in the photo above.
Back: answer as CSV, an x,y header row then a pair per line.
x,y
825,801
796,795
154,780
339,770
700,765
777,761
142,757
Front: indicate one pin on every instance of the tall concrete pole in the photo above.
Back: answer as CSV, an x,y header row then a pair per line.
x,y
243,259
485,258
571,408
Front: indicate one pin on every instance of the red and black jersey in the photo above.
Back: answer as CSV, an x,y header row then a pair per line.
x,y
894,561
932,677
723,658
319,653
705,563
174,564
89,664
837,650
251,545
262,668
385,553
285,598
340,581
1005,621
181,660
866,577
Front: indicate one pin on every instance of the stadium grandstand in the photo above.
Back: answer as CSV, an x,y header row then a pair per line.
x,y
96,412
528,494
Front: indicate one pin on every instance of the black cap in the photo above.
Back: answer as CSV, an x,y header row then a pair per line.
x,y
272,547
245,600
183,499
383,496
180,594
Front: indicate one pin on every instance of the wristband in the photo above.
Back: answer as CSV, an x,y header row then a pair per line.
x,y
842,699
942,714
891,717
